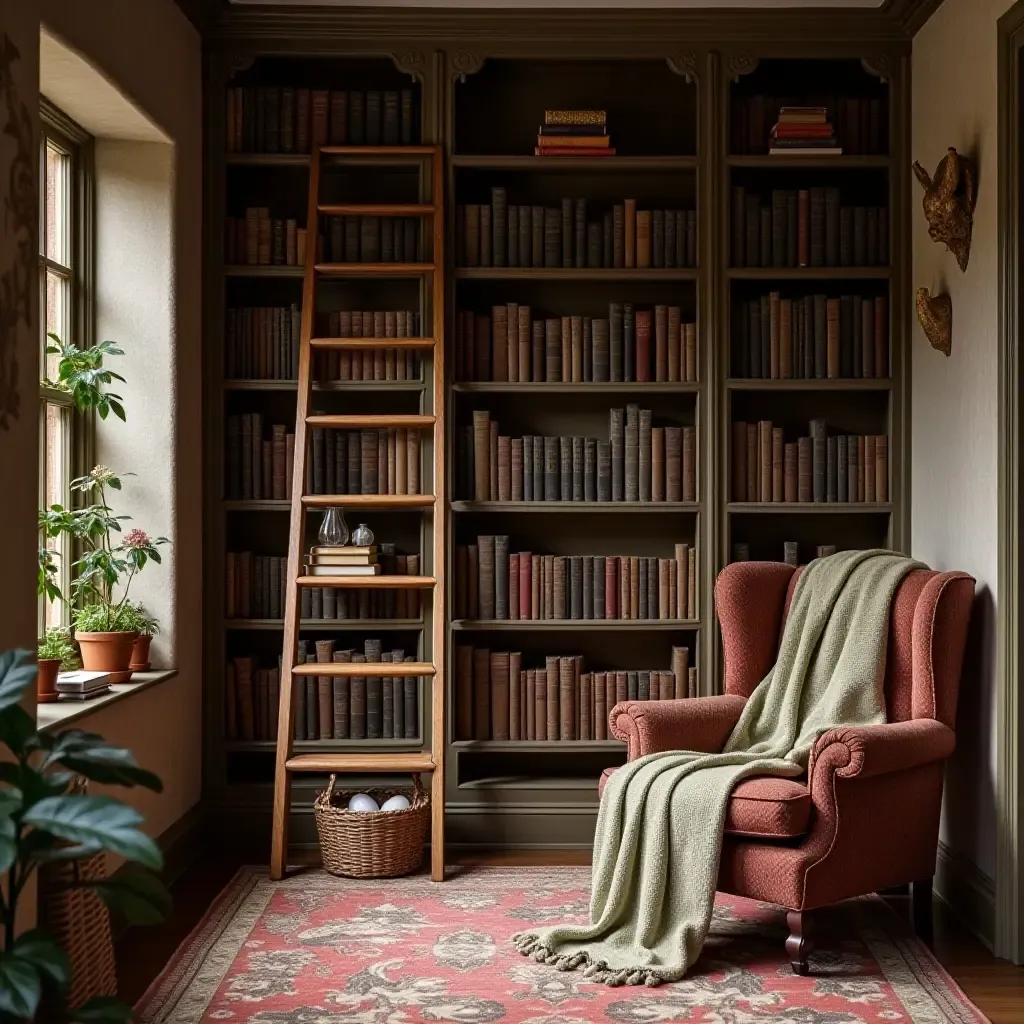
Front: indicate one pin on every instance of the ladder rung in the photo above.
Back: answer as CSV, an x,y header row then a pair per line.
x,y
418,762
386,501
377,669
369,422
377,209
372,343
375,582
340,151
374,269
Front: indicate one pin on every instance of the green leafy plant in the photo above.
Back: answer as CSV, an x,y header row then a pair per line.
x,y
57,645
80,372
139,620
47,582
45,818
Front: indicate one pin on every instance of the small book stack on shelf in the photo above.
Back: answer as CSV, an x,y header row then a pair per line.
x,y
82,685
574,133
343,560
259,240
804,130
790,552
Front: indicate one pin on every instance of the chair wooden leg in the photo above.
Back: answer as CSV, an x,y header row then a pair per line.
x,y
800,941
921,907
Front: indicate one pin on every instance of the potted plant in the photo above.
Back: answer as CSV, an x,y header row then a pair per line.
x,y
147,627
46,820
56,653
106,624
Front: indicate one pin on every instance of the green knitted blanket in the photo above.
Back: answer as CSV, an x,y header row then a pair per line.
x,y
659,828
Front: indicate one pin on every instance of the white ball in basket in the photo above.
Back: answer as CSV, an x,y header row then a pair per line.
x,y
362,802
395,803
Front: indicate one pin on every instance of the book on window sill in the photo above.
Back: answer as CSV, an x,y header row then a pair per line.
x,y
343,570
82,679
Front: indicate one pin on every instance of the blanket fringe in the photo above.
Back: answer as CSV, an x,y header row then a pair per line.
x,y
595,970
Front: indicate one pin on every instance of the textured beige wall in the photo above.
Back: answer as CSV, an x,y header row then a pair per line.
x,y
148,51
954,417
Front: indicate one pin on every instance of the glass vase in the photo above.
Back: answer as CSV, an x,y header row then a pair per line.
x,y
334,530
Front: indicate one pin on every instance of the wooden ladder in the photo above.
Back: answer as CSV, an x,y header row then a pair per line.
x,y
430,275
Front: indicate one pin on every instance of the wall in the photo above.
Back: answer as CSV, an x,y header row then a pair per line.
x,y
954,417
149,209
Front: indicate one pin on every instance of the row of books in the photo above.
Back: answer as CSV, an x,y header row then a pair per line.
x,y
262,342
500,234
251,699
640,462
811,337
819,468
631,344
574,133
259,240
293,119
806,228
860,122
497,699
790,551
372,239
255,585
492,582
352,604
377,461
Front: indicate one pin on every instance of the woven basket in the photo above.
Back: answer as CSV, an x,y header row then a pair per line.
x,y
80,923
371,844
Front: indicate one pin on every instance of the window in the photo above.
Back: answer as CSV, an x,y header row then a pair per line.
x,y
65,309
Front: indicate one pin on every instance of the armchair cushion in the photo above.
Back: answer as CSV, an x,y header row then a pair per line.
x,y
762,807
697,723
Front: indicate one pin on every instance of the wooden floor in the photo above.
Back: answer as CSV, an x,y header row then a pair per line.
x,y
995,986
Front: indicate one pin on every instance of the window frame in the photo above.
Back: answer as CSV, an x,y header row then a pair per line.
x,y
80,429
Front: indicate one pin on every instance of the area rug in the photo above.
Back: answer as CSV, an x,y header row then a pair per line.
x,y
320,950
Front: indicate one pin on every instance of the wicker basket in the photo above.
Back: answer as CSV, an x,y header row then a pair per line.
x,y
364,844
80,922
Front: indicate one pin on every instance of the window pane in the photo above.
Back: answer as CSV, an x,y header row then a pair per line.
x,y
57,310
57,213
56,471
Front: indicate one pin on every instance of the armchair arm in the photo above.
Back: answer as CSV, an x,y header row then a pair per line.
x,y
697,723
863,751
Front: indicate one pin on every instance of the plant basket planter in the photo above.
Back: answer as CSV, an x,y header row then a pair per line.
x,y
46,680
371,844
140,653
108,652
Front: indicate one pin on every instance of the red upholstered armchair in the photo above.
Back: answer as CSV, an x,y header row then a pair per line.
x,y
866,816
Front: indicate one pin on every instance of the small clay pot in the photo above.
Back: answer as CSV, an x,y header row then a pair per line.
x,y
108,652
140,653
46,680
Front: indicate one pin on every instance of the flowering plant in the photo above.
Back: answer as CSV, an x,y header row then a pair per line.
x,y
108,557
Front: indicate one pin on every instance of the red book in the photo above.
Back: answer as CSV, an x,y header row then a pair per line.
x,y
320,119
643,345
525,583
513,589
569,151
573,142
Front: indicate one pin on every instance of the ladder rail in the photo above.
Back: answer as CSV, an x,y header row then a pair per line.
x,y
296,530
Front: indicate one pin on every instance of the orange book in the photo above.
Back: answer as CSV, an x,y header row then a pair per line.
x,y
573,141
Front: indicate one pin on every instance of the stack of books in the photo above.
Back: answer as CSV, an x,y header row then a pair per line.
x,y
82,685
805,130
574,133
343,561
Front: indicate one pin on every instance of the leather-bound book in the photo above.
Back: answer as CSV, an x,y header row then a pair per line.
x,y
778,227
541,704
512,248
629,233
618,445
661,343
881,468
643,688
657,437
515,469
525,238
538,341
530,724
525,567
870,467
669,255
374,693
817,224
683,553
382,461
604,470
689,464
628,342
566,222
643,239
537,587
842,468
631,458
481,455
738,462
566,699
785,339
587,572
553,350
789,472
481,693
575,468
858,441
499,226
691,583
805,477
611,587
773,335
486,547
599,344
658,236
674,358
643,345
564,469
504,468
832,206
579,234
586,698
615,343
473,581
619,681
501,580
357,705
464,693
538,236
575,587
618,235
880,337
634,587
598,607
552,237
526,483
325,696
500,691
860,236
516,705
552,673
764,460
821,346
560,587
664,611
832,308
499,343
388,698
803,221
819,458
674,464
752,223
680,668
539,464
519,343
765,236
846,258
832,469
644,455
589,468
548,586
601,707
777,464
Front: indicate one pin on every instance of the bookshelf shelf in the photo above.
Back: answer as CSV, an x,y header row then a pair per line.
x,y
584,388
854,161
244,270
605,165
574,625
369,582
374,269
376,209
809,273
583,507
300,160
323,746
548,746
388,670
391,502
351,762
823,384
328,625
808,508
364,344
574,274
337,385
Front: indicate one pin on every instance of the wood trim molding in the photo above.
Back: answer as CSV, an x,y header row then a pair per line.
x,y
968,891
1009,894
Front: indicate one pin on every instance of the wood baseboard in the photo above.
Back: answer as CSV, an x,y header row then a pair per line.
x,y
968,892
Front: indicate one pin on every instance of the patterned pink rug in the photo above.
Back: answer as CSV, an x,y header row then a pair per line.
x,y
320,950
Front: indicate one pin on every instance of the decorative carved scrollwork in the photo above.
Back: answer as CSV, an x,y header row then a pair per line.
x,y
739,64
410,62
466,63
684,64
238,61
879,65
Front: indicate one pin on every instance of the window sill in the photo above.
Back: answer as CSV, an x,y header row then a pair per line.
x,y
61,713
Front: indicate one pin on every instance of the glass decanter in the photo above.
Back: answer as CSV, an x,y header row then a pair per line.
x,y
334,530
363,537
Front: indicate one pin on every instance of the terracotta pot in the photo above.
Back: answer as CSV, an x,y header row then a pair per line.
x,y
107,652
46,680
140,654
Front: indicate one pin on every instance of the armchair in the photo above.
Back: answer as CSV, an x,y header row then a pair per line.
x,y
865,817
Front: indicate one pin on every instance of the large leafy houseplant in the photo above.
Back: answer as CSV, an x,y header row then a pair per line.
x,y
110,559
45,819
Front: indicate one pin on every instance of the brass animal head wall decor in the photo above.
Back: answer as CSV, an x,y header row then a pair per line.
x,y
935,314
948,203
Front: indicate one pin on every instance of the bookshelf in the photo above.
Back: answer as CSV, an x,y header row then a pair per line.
x,y
482,99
